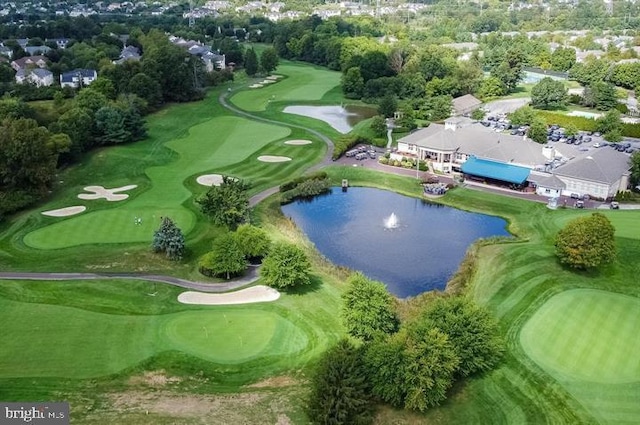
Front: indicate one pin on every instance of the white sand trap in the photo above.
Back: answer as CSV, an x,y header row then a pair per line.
x,y
210,179
272,158
109,194
267,81
273,77
298,142
255,294
255,86
65,212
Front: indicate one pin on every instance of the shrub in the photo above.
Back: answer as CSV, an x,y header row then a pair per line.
x,y
586,242
383,160
286,266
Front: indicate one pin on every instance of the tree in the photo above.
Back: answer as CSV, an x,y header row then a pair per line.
x,y
379,125
478,114
269,60
601,95
353,83
538,131
610,123
251,62
110,126
340,392
562,59
472,331
413,368
549,94
226,204
586,242
524,115
635,168
146,88
105,86
169,239
491,87
286,266
253,241
387,106
570,130
225,259
368,309
509,71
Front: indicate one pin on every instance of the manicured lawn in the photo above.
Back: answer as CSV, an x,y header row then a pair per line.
x,y
586,334
303,83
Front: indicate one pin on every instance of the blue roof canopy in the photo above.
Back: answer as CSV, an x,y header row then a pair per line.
x,y
495,170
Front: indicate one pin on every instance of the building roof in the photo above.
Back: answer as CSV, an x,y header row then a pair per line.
x,y
465,103
481,142
30,60
495,170
546,180
68,77
601,166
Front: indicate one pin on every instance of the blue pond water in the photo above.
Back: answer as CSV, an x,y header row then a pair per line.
x,y
419,255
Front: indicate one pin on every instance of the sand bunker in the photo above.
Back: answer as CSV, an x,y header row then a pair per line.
x,y
255,294
109,194
267,81
65,212
210,179
273,77
255,86
298,142
272,158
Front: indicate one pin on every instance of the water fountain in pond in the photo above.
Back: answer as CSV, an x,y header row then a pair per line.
x,y
391,222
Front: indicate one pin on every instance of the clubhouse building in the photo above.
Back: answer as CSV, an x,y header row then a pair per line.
x,y
482,154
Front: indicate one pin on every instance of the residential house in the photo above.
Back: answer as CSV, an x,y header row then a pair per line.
x,y
214,61
37,50
29,62
38,76
61,43
6,51
465,104
128,53
78,78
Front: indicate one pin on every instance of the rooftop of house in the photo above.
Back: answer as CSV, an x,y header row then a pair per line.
x,y
601,166
465,103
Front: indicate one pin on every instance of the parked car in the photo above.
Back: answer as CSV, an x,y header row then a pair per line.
x,y
361,156
579,204
614,205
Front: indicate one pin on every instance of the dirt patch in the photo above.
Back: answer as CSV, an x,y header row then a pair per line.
x,y
165,403
65,212
275,382
273,158
154,379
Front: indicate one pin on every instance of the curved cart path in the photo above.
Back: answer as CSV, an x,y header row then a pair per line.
x,y
250,277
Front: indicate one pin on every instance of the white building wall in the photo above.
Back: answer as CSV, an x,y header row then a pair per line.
x,y
584,187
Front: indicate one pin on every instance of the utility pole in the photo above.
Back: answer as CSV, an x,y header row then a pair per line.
x,y
192,21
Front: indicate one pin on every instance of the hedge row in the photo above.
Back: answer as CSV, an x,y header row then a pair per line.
x,y
317,175
306,187
345,143
584,123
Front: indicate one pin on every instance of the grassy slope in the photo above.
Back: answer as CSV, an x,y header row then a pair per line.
x,y
516,281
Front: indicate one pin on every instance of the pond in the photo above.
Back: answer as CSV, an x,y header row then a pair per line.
x,y
410,244
340,118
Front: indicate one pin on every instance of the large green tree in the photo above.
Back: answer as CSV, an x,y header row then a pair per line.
x,y
562,59
110,126
538,131
610,125
286,266
226,204
225,259
368,309
601,95
340,391
169,239
251,64
472,331
549,94
353,83
586,242
269,60
635,168
253,241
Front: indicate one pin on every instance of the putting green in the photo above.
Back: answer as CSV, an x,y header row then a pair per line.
x,y
234,336
42,340
219,142
587,335
303,83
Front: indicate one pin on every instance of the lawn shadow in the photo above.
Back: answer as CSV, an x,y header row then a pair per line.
x,y
315,284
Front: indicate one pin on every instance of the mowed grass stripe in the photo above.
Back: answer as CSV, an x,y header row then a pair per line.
x,y
583,335
303,83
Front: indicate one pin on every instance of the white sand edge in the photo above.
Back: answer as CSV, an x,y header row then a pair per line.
x,y
298,142
255,294
65,212
273,77
255,86
273,158
210,179
108,194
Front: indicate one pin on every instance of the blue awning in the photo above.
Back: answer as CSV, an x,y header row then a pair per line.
x,y
495,170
